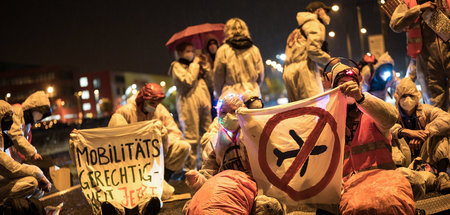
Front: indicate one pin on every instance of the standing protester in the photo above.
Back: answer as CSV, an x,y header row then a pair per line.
x,y
17,180
147,106
211,49
190,76
378,76
424,130
305,48
238,66
430,52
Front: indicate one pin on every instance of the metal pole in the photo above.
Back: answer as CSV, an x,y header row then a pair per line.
x,y
349,46
361,37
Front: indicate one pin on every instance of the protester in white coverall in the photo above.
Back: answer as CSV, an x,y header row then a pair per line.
x,y
221,156
33,109
238,66
431,53
190,76
17,180
421,131
378,78
301,75
147,106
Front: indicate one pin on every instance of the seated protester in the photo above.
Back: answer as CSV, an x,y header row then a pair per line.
x,y
147,106
251,101
378,76
368,122
35,108
17,180
227,153
422,132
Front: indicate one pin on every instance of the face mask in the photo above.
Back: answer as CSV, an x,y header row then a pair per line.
x,y
230,122
6,123
37,116
149,109
189,56
350,100
325,18
407,103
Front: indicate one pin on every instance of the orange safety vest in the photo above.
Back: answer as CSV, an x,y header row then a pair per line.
x,y
414,34
369,149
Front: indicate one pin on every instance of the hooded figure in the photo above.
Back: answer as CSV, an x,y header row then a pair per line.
x,y
430,52
35,108
17,180
238,66
378,78
421,131
190,76
304,51
147,106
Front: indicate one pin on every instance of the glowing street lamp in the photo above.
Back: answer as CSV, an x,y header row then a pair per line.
x,y
331,34
50,90
335,8
363,30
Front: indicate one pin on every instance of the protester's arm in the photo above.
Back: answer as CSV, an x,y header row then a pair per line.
x,y
383,113
395,130
212,130
17,137
403,17
116,120
219,72
439,120
210,167
315,38
173,132
186,77
259,66
12,169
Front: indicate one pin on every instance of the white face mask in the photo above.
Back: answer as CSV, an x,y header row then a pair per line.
x,y
350,100
230,122
408,103
189,56
325,18
37,116
149,108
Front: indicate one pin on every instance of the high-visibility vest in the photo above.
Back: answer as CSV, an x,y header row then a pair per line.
x,y
368,150
414,34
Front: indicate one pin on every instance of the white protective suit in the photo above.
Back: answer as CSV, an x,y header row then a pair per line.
x,y
176,149
366,76
20,133
193,104
430,118
237,70
16,180
301,74
433,62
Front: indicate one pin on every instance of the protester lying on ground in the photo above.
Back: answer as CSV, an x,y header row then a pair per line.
x,y
421,131
238,66
17,180
191,76
228,152
379,78
147,106
35,108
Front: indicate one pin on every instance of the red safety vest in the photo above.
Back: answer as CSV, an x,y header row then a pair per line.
x,y
414,34
369,149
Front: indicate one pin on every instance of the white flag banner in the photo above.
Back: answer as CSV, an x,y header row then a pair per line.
x,y
296,150
122,165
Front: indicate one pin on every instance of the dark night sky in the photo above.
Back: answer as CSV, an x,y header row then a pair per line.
x,y
130,35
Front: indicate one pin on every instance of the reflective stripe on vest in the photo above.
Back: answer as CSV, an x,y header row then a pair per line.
x,y
414,34
369,149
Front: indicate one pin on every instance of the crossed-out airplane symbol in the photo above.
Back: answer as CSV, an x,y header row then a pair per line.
x,y
293,153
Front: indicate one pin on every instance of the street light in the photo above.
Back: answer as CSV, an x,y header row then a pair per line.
x,y
363,30
50,90
162,83
335,8
331,34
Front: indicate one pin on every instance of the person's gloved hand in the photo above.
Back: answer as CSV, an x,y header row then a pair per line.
x,y
36,157
44,184
194,179
427,5
351,89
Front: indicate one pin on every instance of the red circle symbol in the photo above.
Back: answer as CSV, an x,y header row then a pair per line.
x,y
283,182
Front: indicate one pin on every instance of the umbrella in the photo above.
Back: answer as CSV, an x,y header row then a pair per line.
x,y
197,35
